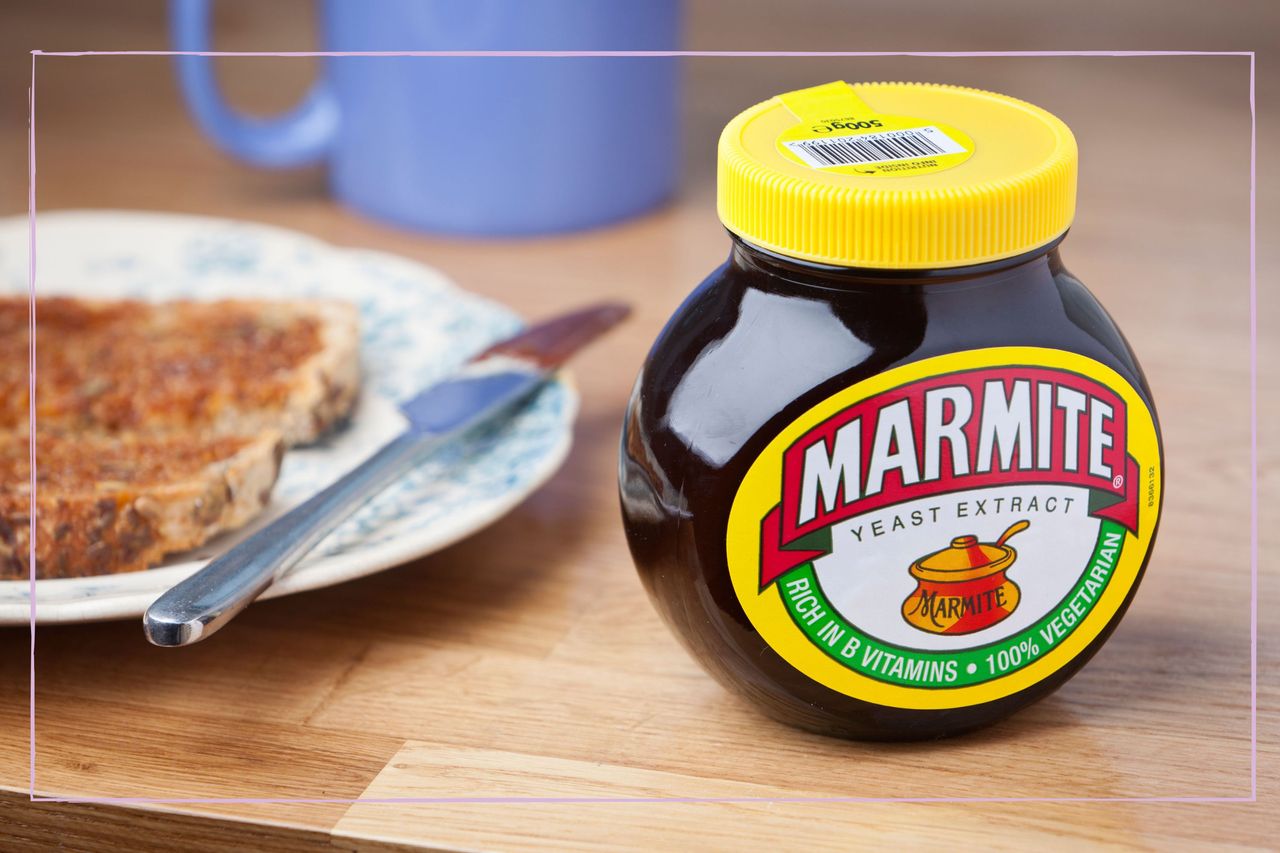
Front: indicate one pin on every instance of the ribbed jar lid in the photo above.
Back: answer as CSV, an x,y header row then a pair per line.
x,y
896,176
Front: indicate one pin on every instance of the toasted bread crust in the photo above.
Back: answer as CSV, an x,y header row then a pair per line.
x,y
131,521
326,383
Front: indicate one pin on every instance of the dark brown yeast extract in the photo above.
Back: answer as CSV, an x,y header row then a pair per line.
x,y
756,345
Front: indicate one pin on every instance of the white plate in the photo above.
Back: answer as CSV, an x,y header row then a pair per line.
x,y
415,328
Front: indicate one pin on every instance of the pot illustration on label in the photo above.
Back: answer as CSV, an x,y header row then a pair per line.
x,y
965,587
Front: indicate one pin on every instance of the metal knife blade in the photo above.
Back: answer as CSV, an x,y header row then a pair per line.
x,y
489,384
508,370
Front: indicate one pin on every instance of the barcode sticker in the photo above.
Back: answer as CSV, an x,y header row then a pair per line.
x,y
889,146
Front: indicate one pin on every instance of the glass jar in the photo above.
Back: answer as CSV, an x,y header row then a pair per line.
x,y
892,374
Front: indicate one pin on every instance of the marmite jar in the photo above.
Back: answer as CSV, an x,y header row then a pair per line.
x,y
835,437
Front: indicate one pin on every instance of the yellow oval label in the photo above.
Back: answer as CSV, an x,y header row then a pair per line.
x,y
952,531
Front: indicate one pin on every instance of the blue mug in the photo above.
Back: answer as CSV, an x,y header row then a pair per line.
x,y
486,146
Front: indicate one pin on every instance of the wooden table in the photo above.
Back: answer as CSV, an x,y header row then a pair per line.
x,y
528,663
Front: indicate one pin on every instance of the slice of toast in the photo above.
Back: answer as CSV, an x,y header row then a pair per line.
x,y
158,425
118,503
230,367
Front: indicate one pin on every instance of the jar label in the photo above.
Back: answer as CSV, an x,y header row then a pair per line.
x,y
839,132
951,531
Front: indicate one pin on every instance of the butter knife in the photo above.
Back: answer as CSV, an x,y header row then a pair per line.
x,y
488,385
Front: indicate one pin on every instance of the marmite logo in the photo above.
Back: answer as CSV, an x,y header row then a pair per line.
x,y
966,587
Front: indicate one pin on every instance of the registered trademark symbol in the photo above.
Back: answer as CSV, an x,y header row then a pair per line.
x,y
1118,481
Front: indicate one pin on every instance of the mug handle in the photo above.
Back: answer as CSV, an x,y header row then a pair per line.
x,y
299,137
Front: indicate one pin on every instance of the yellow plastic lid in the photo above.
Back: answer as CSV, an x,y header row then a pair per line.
x,y
896,176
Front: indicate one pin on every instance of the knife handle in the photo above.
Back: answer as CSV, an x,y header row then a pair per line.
x,y
201,604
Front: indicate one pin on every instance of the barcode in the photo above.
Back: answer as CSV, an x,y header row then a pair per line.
x,y
875,147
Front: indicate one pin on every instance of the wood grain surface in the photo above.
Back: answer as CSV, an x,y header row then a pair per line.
x,y
526,661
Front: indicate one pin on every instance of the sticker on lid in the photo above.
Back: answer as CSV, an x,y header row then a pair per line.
x,y
839,132
952,531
